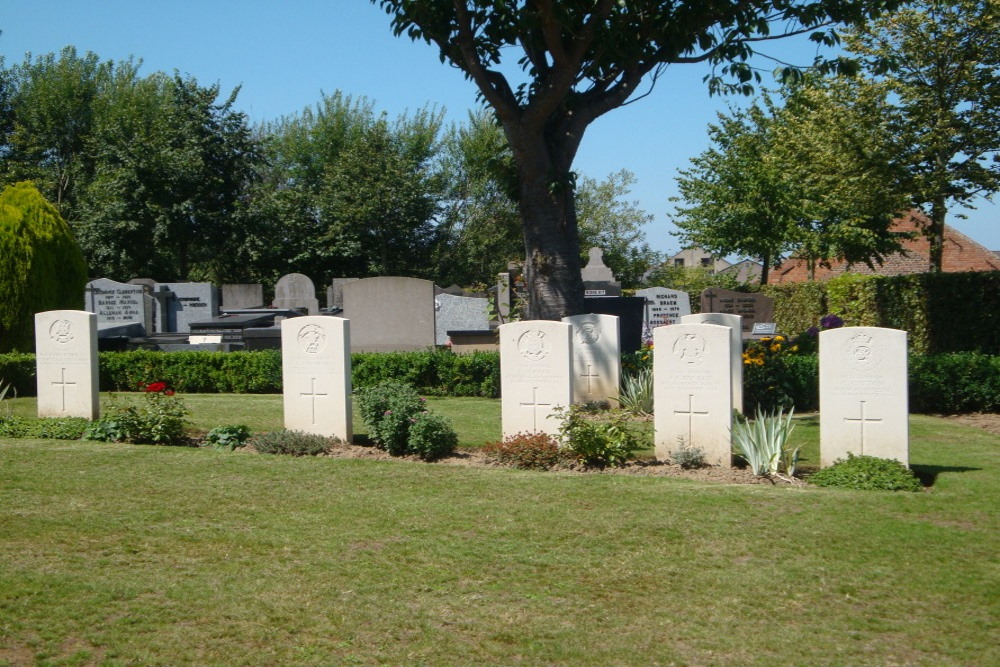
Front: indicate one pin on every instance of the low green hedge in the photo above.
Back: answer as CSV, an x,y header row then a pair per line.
x,y
947,383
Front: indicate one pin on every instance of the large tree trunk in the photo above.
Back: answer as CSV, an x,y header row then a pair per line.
x,y
935,234
765,272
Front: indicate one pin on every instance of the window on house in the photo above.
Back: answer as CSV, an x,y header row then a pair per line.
x,y
706,261
679,262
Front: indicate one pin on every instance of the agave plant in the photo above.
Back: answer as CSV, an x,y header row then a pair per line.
x,y
636,395
761,443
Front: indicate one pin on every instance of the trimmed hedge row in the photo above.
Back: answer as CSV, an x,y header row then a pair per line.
x,y
942,312
946,383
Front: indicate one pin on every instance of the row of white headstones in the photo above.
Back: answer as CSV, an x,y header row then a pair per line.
x,y
545,366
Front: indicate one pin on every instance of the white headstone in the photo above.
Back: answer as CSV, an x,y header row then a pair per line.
x,y
692,396
316,375
536,371
597,357
863,398
736,343
663,306
66,363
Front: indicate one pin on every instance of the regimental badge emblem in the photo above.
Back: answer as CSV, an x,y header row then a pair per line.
x,y
61,331
533,346
312,339
588,333
862,354
690,348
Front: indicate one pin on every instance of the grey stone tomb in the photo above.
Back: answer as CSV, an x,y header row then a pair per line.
x,y
691,391
243,295
296,291
751,307
536,375
597,356
116,304
66,363
180,304
390,314
459,313
316,375
335,292
735,343
598,280
863,399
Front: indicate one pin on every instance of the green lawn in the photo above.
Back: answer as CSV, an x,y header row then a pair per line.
x,y
115,554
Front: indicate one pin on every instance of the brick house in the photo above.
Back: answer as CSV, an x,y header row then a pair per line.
x,y
960,254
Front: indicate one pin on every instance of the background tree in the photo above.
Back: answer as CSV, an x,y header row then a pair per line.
x,y
943,82
579,61
41,265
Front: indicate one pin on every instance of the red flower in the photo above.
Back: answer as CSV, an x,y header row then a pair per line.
x,y
156,387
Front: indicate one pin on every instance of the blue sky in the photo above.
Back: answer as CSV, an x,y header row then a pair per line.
x,y
284,54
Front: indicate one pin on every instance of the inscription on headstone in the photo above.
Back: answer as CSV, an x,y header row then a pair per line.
x,y
115,303
180,304
732,322
536,375
316,375
663,306
596,357
66,363
751,307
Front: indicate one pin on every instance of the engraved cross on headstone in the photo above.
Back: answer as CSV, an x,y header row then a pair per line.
x,y
690,412
590,375
864,422
710,295
62,384
313,396
534,405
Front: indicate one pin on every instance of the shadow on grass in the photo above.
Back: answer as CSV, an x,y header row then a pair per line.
x,y
928,474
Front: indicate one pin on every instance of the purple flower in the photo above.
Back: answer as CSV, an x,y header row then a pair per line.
x,y
813,331
831,322
387,412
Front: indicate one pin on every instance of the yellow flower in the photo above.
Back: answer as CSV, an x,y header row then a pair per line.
x,y
759,361
776,347
779,339
794,348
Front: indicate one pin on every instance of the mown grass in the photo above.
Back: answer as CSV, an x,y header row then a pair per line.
x,y
122,554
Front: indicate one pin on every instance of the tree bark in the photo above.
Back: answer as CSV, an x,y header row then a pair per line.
x,y
935,234
765,272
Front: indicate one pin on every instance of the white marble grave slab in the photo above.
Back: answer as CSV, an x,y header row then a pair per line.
x,y
735,342
863,394
316,375
536,375
66,364
692,396
597,357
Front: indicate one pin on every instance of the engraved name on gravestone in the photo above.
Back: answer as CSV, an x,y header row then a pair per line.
x,y
663,306
66,363
114,303
536,370
735,343
752,308
390,314
316,375
596,357
863,399
180,304
296,291
691,391
459,313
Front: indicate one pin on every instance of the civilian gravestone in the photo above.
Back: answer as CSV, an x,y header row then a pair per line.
x,y
180,304
628,310
459,313
536,375
663,306
751,307
66,363
296,291
597,357
242,296
503,300
390,314
735,343
863,400
116,304
316,375
691,391
598,280
335,292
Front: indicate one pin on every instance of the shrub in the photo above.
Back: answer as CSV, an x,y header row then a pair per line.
x,y
530,451
867,473
227,437
431,437
388,409
761,443
62,428
954,383
636,395
14,427
158,418
41,264
688,456
293,443
597,443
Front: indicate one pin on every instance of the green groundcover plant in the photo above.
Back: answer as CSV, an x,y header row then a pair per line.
x,y
157,418
867,473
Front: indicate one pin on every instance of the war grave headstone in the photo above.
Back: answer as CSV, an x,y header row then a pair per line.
x,y
180,304
735,342
663,306
628,310
316,375
66,363
598,280
692,391
335,292
536,375
120,307
752,307
597,357
295,290
459,313
863,395
390,314
242,295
